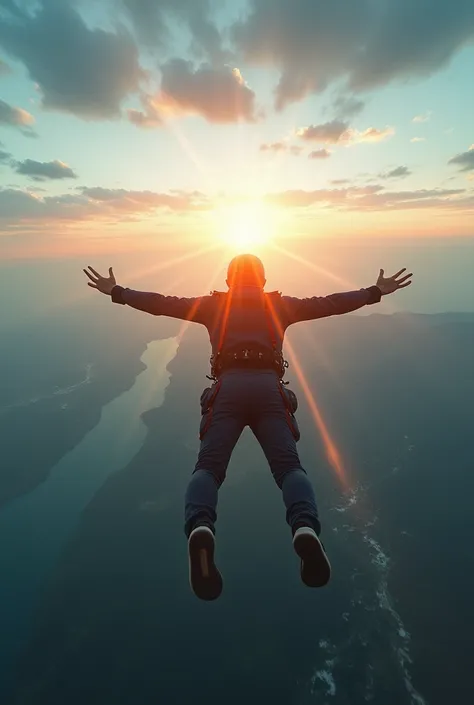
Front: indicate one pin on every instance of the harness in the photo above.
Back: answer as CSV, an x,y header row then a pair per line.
x,y
247,357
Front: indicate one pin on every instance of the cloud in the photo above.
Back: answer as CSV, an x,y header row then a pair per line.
x,y
423,118
87,72
398,172
375,198
465,160
372,134
4,68
339,132
304,199
16,117
147,119
151,23
326,133
319,154
346,106
418,139
4,156
143,119
273,147
281,147
41,171
145,201
18,206
367,44
219,95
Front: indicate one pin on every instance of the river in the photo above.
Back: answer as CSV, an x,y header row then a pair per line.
x,y
35,527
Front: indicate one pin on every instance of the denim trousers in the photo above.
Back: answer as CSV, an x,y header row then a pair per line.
x,y
251,398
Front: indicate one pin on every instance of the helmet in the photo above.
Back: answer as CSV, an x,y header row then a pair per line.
x,y
246,270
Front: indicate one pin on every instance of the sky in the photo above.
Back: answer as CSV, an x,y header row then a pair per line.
x,y
196,127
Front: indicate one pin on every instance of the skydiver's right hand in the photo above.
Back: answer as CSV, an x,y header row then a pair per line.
x,y
388,285
103,284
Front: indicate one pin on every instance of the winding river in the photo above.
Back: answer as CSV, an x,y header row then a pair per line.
x,y
35,527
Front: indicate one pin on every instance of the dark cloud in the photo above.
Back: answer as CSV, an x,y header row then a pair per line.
x,y
147,119
327,133
4,68
100,204
42,171
375,198
319,154
465,160
346,106
87,72
4,156
313,42
16,117
398,172
144,120
151,19
220,95
281,147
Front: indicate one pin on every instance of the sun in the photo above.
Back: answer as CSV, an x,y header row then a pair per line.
x,y
245,225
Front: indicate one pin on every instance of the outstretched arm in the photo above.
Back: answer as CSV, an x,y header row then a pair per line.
x,y
336,304
157,304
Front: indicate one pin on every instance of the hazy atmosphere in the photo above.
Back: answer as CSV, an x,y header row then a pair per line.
x,y
162,138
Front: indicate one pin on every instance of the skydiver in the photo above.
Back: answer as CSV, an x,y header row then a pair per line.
x,y
246,327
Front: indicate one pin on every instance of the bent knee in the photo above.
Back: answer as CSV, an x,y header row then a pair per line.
x,y
216,474
280,474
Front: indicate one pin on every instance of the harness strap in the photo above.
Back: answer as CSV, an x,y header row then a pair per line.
x,y
279,361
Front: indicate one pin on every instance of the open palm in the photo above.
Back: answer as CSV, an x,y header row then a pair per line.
x,y
388,285
103,284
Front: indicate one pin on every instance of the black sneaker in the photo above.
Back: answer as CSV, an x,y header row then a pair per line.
x,y
315,568
204,577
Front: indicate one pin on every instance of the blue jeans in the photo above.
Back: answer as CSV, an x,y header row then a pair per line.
x,y
249,398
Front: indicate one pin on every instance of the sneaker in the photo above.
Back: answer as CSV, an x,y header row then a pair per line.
x,y
315,568
204,577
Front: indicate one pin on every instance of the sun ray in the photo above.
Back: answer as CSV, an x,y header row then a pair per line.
x,y
137,274
315,268
332,453
189,151
167,264
243,225
195,306
388,306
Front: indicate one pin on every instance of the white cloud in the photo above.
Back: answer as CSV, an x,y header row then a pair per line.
x,y
424,117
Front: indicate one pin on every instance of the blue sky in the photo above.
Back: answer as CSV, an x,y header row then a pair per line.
x,y
126,124
114,153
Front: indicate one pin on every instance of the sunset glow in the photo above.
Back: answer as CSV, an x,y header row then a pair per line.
x,y
245,226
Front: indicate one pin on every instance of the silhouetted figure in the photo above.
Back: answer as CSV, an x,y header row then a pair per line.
x,y
246,327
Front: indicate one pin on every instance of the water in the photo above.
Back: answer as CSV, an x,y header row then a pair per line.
x,y
35,527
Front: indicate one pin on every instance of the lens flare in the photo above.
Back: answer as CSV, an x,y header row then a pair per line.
x,y
244,226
